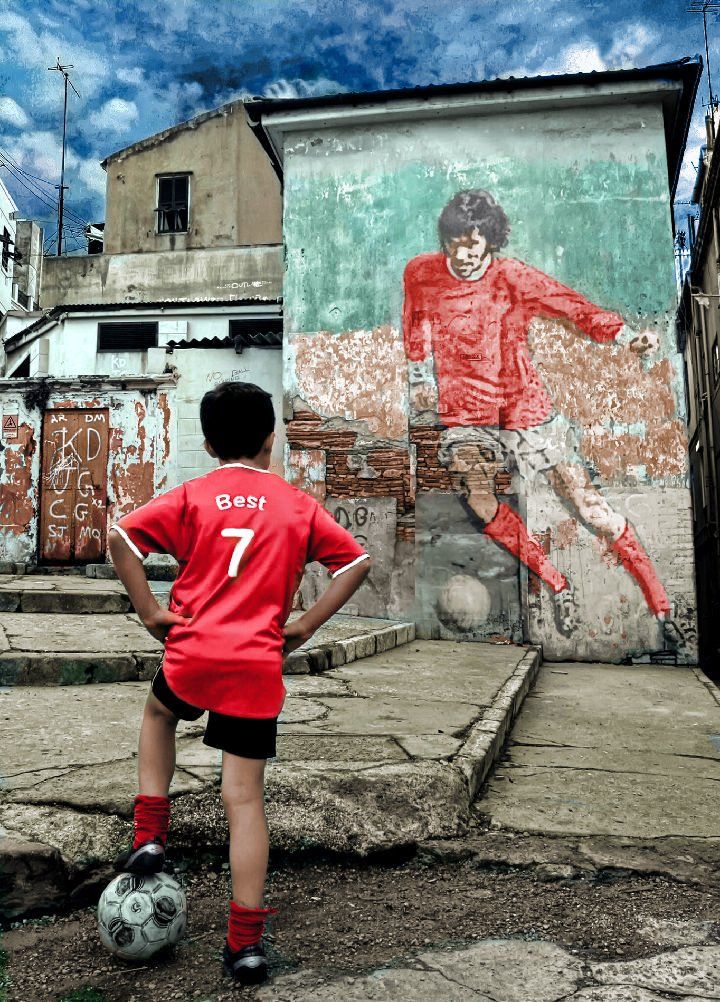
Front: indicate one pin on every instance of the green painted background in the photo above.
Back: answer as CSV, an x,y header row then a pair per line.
x,y
600,226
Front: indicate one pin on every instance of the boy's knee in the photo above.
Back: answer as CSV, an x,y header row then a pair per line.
x,y
158,710
239,795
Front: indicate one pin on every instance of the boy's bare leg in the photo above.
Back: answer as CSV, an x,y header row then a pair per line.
x,y
243,797
156,749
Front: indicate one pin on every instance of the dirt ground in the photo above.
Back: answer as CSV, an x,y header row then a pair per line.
x,y
337,919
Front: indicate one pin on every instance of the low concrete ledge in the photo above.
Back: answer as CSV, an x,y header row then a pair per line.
x,y
487,736
28,667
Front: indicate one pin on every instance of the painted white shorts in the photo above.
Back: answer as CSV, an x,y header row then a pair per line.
x,y
533,450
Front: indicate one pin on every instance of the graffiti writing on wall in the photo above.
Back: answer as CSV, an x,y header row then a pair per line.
x,y
74,484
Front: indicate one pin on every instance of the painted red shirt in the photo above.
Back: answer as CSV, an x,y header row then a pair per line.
x,y
477,332
242,537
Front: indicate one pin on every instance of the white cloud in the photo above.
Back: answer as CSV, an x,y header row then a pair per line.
x,y
302,88
115,116
131,75
36,50
580,57
12,113
92,176
632,45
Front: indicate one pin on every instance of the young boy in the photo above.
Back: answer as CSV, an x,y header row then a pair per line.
x,y
242,537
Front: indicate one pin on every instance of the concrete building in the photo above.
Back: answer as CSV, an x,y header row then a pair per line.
x,y
698,333
487,271
103,385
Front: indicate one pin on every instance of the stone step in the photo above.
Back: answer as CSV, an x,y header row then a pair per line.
x,y
69,595
67,649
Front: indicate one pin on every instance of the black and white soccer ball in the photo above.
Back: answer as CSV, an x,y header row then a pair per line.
x,y
139,915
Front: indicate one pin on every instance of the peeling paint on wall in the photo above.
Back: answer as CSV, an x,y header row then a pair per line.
x,y
16,490
357,375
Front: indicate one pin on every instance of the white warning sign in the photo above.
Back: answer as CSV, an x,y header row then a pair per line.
x,y
10,427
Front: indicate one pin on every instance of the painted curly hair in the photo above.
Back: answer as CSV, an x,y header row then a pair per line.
x,y
474,209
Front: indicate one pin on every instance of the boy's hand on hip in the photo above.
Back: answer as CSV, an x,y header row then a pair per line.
x,y
296,633
159,623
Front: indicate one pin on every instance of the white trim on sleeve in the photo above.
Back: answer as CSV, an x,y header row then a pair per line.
x,y
129,541
357,560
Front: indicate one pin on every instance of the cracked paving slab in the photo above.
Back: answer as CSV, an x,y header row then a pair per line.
x,y
692,971
60,633
475,681
611,750
514,971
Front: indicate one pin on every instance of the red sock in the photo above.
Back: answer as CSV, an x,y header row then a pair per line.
x,y
246,925
508,529
152,819
636,562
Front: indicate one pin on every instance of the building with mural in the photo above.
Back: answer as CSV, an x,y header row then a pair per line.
x,y
100,386
481,377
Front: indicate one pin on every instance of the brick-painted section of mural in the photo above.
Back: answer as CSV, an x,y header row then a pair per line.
x,y
502,369
349,470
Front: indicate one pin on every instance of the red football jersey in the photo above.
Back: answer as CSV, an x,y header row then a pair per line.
x,y
242,537
477,332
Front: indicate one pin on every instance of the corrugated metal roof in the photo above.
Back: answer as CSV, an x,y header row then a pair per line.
x,y
257,339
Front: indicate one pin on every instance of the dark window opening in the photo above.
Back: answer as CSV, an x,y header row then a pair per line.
x,y
130,336
5,240
172,207
22,370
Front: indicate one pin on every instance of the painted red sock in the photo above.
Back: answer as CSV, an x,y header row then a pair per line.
x,y
636,562
509,530
246,925
151,818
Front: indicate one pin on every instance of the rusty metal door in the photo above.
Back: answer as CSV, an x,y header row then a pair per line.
x,y
73,499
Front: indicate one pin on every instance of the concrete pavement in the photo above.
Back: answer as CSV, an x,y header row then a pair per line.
x,y
608,767
515,971
373,754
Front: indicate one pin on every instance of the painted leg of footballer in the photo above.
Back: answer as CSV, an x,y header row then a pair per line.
x,y
572,483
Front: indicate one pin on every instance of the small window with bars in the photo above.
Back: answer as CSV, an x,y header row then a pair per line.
x,y
173,201
127,336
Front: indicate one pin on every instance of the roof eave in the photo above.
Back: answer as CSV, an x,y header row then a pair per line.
x,y
677,81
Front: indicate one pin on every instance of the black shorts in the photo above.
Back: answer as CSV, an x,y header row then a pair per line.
x,y
244,736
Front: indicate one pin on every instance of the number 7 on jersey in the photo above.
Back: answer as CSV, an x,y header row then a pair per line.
x,y
244,538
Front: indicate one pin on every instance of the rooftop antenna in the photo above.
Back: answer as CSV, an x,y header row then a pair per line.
x,y
61,201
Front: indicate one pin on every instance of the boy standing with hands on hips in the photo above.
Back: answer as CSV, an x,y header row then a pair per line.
x,y
242,537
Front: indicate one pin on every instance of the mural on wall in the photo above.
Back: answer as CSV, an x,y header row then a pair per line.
x,y
467,316
508,386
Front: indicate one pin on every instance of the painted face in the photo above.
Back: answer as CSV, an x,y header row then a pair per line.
x,y
467,254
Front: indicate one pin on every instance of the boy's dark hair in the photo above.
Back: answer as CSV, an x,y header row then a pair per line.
x,y
474,209
236,418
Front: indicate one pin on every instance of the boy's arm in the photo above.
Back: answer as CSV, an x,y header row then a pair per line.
x,y
336,595
131,572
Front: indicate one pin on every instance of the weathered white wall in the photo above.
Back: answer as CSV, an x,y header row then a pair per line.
x,y
199,370
207,275
7,206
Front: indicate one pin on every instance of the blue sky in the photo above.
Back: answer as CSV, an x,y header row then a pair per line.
x,y
143,65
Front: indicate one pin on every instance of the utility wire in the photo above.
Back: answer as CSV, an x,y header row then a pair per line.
x,y
42,196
